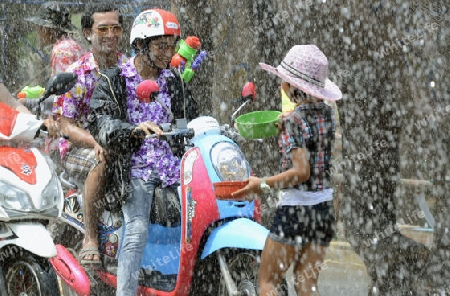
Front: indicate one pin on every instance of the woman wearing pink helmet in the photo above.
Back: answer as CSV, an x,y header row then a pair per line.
x,y
154,36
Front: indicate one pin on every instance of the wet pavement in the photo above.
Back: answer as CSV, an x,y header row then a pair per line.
x,y
344,273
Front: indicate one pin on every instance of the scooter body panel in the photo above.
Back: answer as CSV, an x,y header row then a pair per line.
x,y
199,210
110,233
162,251
33,237
240,233
31,188
70,271
228,209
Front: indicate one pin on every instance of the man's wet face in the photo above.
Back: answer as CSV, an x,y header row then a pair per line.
x,y
106,32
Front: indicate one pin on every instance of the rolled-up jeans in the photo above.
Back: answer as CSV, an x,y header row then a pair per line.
x,y
136,213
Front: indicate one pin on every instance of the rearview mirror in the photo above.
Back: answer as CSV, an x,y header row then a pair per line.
x,y
59,84
147,91
249,91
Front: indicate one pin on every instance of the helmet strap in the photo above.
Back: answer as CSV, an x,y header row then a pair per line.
x,y
152,61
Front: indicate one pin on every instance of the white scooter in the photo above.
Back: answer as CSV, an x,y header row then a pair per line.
x,y
30,198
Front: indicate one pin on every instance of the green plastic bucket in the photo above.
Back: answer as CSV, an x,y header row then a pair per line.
x,y
258,124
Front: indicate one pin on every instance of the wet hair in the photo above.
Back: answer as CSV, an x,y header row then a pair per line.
x,y
299,95
87,19
56,33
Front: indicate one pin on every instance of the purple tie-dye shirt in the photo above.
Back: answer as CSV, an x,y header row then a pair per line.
x,y
154,154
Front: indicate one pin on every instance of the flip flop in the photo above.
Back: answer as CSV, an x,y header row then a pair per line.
x,y
89,251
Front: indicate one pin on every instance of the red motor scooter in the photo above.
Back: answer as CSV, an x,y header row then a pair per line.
x,y
201,241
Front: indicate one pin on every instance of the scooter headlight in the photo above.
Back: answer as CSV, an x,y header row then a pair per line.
x,y
51,193
229,162
13,198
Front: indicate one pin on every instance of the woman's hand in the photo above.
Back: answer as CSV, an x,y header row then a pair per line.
x,y
251,190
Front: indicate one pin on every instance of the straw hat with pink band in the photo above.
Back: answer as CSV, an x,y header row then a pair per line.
x,y
306,67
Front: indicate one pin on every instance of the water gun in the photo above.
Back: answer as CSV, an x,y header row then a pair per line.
x,y
31,92
184,58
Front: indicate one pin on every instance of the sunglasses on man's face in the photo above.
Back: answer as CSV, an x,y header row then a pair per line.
x,y
104,30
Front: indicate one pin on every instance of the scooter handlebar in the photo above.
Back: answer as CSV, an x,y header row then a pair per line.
x,y
232,133
185,132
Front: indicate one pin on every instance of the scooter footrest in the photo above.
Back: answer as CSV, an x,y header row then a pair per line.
x,y
158,281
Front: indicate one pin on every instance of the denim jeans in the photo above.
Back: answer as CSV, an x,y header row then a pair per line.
x,y
136,213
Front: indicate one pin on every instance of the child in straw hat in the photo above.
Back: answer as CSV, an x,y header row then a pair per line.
x,y
304,221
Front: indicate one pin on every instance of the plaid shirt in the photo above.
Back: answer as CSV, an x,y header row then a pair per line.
x,y
310,126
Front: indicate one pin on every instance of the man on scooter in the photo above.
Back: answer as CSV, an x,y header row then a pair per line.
x,y
154,36
82,156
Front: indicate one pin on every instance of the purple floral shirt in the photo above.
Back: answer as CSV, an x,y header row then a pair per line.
x,y
75,103
154,154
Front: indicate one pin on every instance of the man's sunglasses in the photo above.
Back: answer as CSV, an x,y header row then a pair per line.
x,y
103,30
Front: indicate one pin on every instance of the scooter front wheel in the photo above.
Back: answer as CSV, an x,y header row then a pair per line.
x,y
243,266
26,274
2,283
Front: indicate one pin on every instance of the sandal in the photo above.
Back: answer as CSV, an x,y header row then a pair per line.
x,y
89,251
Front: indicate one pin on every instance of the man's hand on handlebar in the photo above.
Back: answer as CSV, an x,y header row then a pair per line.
x,y
147,128
53,127
100,153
